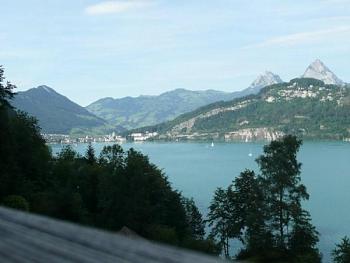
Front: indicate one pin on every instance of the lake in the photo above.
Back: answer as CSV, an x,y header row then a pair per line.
x,y
197,169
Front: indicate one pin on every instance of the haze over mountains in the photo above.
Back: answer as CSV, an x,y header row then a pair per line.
x,y
57,114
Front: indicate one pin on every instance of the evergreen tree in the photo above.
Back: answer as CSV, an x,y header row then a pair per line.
x,y
90,155
6,90
303,240
341,254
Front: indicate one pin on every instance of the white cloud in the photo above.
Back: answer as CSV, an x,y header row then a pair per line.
x,y
112,7
303,37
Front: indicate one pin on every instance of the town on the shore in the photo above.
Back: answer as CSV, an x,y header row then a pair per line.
x,y
113,137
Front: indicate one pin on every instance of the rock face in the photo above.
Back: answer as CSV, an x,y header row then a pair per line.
x,y
254,134
318,70
263,80
188,125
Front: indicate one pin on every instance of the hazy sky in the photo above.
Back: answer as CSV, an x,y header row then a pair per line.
x,y
92,49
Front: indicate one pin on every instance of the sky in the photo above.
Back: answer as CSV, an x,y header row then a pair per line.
x,y
90,49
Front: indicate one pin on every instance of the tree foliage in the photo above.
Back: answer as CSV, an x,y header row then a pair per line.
x,y
281,178
194,218
264,212
115,190
341,254
6,90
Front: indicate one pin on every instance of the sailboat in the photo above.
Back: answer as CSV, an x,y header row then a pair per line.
x,y
212,144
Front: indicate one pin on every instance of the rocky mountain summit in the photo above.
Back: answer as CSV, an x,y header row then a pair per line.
x,y
263,80
318,70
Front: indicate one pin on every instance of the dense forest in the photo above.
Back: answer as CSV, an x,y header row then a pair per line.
x,y
120,188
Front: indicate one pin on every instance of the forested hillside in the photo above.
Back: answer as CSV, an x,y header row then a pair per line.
x,y
56,113
140,111
306,107
134,112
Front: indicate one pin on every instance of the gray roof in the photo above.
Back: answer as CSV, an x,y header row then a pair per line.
x,y
32,238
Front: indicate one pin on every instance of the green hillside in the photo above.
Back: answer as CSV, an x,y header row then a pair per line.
x,y
131,112
56,113
306,107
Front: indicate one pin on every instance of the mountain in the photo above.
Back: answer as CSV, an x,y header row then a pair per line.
x,y
142,111
263,80
306,107
55,113
133,112
318,70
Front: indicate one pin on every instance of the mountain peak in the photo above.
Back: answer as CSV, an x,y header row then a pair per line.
x,y
45,89
263,80
318,70
55,112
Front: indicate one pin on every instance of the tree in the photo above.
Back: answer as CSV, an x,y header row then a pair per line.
x,y
252,210
67,185
281,178
90,155
194,219
22,172
119,189
265,212
218,219
341,254
112,156
303,239
224,218
6,90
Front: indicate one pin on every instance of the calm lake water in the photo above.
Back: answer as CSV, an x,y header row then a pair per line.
x,y
197,169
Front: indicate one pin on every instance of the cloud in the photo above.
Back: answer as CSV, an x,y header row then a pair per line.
x,y
113,7
302,38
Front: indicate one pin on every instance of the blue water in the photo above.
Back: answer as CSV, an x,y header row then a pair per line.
x,y
197,170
